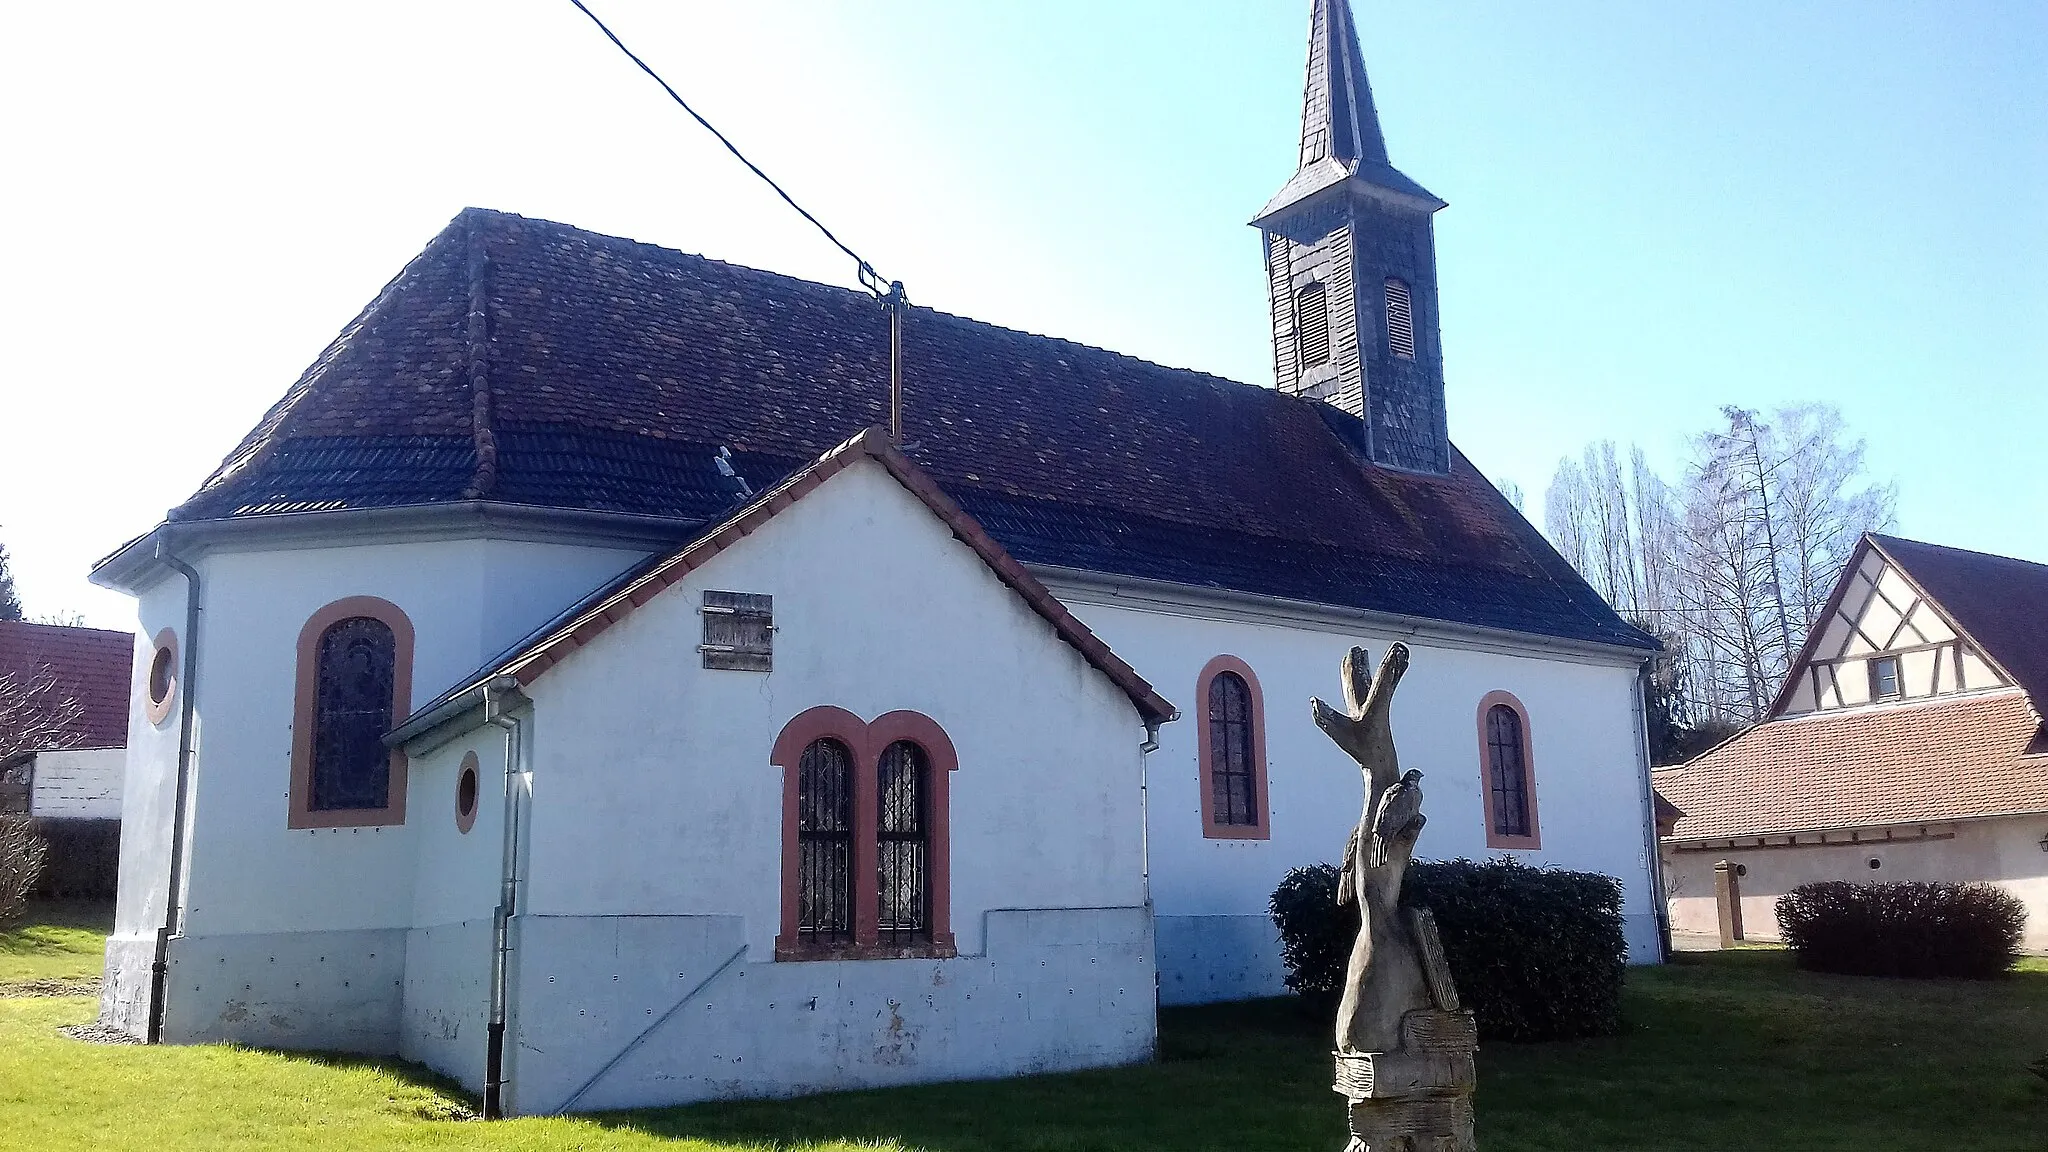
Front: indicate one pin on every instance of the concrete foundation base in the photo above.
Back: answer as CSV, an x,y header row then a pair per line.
x,y
1208,959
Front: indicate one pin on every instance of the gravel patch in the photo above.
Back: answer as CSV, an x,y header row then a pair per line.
x,y
98,1033
39,988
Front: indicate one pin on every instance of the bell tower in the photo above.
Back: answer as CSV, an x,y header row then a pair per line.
x,y
1351,265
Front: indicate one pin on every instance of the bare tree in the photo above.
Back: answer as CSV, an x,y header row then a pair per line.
x,y
1513,492
36,715
1731,567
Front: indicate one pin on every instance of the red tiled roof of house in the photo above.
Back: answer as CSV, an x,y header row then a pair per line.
x,y
89,665
1947,759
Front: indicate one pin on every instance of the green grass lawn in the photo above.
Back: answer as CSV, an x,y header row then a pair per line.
x,y
1728,1050
61,940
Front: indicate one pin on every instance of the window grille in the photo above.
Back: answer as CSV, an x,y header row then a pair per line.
x,y
902,912
1506,759
739,631
1400,320
352,711
824,832
1233,791
1311,326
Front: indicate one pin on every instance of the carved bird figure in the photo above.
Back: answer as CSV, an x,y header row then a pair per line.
x,y
1398,813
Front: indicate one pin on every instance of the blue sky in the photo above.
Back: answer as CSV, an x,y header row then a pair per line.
x,y
1655,209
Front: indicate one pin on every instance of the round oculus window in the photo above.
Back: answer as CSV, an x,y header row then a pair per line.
x,y
466,793
163,676
1875,863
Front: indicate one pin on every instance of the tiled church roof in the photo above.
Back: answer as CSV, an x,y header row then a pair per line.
x,y
533,363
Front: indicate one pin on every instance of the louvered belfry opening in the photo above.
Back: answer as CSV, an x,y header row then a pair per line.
x,y
1312,325
903,849
824,830
1234,796
358,659
1400,320
1505,771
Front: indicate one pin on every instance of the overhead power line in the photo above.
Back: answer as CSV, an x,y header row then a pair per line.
x,y
869,278
889,292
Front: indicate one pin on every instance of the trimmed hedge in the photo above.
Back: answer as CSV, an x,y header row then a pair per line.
x,y
1903,929
84,860
1537,953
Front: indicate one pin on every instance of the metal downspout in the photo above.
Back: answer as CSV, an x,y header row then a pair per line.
x,y
508,893
1650,811
1145,751
159,968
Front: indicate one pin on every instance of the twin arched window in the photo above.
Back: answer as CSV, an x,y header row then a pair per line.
x,y
865,865
354,683
1510,783
1231,727
825,845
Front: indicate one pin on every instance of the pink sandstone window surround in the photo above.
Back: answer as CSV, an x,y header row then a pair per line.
x,y
346,652
866,845
1230,726
164,671
1507,773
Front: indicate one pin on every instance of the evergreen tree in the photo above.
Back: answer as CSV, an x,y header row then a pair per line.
x,y
10,604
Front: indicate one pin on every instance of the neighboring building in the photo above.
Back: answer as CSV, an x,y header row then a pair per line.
x,y
1907,744
530,412
77,679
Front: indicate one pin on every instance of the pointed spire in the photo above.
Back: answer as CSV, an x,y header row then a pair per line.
x,y
1338,119
1340,127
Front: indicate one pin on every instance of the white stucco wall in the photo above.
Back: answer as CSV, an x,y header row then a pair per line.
x,y
2006,852
248,877
656,830
1216,939
147,802
78,784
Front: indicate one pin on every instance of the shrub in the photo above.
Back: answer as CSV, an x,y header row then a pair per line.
x,y
1903,929
21,863
1537,953
83,860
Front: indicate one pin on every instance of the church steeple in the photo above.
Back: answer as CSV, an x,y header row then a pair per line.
x,y
1351,264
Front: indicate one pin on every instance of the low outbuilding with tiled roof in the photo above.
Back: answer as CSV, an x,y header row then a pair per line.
x,y
63,720
1907,743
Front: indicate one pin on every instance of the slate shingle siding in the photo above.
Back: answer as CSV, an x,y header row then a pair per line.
x,y
615,370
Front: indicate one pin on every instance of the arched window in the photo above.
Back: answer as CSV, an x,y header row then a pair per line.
x,y
901,913
824,831
865,849
1311,326
1400,320
351,768
1231,727
1510,779
354,685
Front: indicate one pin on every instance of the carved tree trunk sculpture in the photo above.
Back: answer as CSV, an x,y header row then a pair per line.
x,y
1384,980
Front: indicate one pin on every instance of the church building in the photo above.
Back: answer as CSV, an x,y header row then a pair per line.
x,y
570,686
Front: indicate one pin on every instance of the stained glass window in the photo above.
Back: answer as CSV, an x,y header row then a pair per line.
x,y
351,767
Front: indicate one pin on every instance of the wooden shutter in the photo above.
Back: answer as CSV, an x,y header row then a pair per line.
x,y
739,631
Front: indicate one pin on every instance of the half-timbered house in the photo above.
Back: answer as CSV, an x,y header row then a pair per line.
x,y
1906,744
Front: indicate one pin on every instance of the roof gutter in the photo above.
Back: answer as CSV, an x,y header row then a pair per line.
x,y
131,566
1158,595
